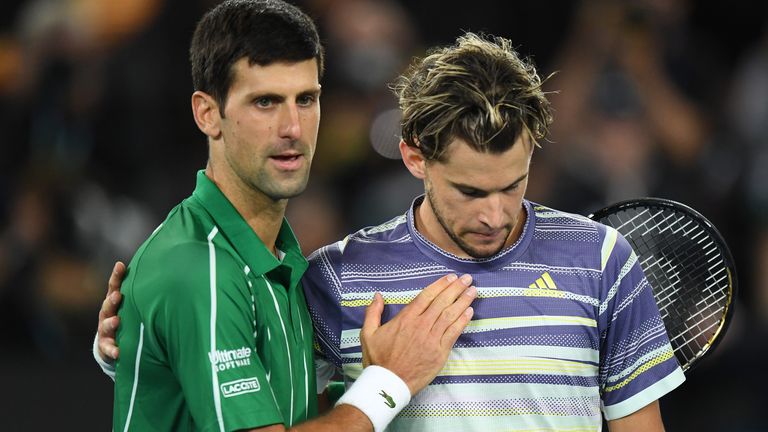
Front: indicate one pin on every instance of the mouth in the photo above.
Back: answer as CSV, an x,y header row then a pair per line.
x,y
288,161
487,236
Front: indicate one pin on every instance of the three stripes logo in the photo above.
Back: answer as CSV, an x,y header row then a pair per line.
x,y
544,286
544,282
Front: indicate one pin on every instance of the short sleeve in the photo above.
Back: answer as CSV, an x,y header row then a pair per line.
x,y
637,364
322,289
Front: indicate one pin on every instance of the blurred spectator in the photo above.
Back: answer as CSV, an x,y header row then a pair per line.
x,y
315,217
748,114
24,244
636,100
52,75
368,43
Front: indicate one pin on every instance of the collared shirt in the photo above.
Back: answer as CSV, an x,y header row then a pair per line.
x,y
214,333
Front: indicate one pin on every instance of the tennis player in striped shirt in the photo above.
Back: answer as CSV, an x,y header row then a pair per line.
x,y
565,331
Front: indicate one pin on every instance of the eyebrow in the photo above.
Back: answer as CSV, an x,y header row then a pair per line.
x,y
279,97
466,186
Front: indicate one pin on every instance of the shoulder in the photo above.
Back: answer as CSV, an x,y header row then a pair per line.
x,y
179,256
363,242
553,224
551,219
376,243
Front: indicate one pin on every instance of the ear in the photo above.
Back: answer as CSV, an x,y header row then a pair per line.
x,y
413,160
205,109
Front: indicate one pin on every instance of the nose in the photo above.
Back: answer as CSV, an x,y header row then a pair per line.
x,y
290,124
492,212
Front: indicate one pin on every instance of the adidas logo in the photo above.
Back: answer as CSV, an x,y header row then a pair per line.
x,y
544,287
544,282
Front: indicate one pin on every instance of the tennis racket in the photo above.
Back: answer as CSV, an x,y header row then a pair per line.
x,y
689,267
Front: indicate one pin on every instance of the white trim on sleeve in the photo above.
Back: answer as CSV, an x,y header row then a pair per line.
x,y
648,395
107,367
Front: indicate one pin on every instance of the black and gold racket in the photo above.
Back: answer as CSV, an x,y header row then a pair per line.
x,y
688,265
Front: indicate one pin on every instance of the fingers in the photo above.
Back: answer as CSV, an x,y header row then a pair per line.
x,y
114,296
116,278
108,319
425,298
453,331
373,315
446,298
453,312
108,350
108,327
371,323
110,305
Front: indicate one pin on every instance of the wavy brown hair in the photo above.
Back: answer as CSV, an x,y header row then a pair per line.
x,y
479,90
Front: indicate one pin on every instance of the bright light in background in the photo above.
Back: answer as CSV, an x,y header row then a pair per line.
x,y
385,133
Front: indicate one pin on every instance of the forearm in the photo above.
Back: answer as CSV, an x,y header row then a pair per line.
x,y
646,419
343,417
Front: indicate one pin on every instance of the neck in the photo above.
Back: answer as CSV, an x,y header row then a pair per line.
x,y
261,213
426,223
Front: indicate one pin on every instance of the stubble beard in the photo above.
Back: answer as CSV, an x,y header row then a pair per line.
x,y
469,250
278,190
273,184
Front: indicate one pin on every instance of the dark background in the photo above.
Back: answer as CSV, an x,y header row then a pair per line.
x,y
666,98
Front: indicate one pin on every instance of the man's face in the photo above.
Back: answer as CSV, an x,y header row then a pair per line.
x,y
476,198
269,129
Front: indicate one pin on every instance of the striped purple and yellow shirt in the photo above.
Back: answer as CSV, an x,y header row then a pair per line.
x,y
565,324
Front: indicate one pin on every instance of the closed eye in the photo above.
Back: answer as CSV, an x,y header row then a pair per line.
x,y
472,192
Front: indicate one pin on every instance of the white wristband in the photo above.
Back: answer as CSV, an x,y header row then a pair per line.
x,y
379,394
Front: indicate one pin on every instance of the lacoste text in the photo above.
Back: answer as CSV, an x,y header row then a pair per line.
x,y
241,386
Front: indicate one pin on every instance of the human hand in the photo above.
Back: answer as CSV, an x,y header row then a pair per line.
x,y
108,319
415,343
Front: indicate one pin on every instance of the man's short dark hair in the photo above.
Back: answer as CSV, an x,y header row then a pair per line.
x,y
263,31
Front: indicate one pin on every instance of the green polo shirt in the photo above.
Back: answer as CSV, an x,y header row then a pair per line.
x,y
214,331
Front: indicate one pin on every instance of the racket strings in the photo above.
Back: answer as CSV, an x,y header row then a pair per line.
x,y
688,276
691,322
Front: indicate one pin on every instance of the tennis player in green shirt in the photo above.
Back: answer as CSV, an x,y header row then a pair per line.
x,y
214,332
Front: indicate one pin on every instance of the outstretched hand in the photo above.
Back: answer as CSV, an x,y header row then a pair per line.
x,y
415,343
108,319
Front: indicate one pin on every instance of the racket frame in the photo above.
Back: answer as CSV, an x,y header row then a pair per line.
x,y
722,246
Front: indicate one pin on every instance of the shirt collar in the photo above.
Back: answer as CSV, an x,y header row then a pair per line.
x,y
471,265
245,241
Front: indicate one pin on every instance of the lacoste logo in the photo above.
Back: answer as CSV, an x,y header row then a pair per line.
x,y
544,282
389,401
241,386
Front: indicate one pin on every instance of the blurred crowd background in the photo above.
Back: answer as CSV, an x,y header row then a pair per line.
x,y
664,98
